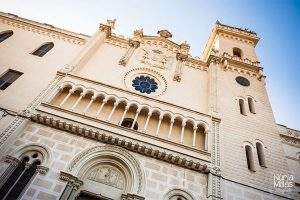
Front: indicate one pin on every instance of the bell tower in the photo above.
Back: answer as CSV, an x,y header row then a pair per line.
x,y
249,151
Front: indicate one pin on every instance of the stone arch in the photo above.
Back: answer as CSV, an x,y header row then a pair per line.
x,y
114,156
178,193
35,147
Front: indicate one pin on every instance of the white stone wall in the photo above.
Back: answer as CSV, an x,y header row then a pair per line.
x,y
38,72
160,177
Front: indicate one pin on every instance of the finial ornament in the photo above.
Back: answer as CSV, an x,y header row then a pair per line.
x,y
138,33
111,23
164,34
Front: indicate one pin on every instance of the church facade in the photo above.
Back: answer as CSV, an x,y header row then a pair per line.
x,y
108,117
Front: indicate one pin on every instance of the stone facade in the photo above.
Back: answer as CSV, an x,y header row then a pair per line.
x,y
108,117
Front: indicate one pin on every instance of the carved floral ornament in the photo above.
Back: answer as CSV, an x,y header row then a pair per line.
x,y
159,154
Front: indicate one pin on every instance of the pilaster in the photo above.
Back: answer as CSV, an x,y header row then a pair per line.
x,y
104,31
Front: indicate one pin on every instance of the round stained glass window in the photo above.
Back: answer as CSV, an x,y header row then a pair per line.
x,y
242,81
144,84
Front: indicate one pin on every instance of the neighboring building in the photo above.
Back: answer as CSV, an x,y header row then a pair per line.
x,y
107,117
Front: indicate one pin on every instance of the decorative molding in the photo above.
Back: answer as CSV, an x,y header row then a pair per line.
x,y
162,82
43,29
178,192
132,165
133,44
131,197
181,58
129,145
290,140
236,38
72,180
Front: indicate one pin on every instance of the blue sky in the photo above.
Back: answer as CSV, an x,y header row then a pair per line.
x,y
277,23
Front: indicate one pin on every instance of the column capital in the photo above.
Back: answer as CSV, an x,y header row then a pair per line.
x,y
138,110
72,180
181,57
134,43
150,113
105,28
72,90
161,116
127,107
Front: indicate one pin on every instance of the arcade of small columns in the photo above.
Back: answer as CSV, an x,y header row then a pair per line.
x,y
113,109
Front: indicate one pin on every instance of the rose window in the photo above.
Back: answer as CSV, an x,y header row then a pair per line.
x,y
144,84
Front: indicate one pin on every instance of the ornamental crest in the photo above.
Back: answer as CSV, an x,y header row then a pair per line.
x,y
108,175
154,58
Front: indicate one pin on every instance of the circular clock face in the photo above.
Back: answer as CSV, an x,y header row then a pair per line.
x,y
242,81
144,84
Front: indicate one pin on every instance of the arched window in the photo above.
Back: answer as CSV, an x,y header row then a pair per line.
x,y
127,122
42,50
178,194
251,105
6,34
249,156
237,52
242,107
21,176
260,154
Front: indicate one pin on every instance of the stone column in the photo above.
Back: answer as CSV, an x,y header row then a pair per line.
x,y
171,127
207,135
113,110
135,117
124,114
82,94
133,44
101,107
90,103
159,123
194,135
147,121
214,176
181,58
73,184
214,65
71,91
182,132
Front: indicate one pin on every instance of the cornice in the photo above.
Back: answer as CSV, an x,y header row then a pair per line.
x,y
104,137
43,29
290,140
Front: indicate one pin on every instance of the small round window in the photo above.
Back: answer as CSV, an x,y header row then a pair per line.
x,y
242,81
144,84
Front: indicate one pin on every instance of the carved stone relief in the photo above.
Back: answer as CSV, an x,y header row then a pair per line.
x,y
155,58
108,175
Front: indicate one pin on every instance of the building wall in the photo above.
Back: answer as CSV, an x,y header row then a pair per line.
x,y
160,177
38,72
